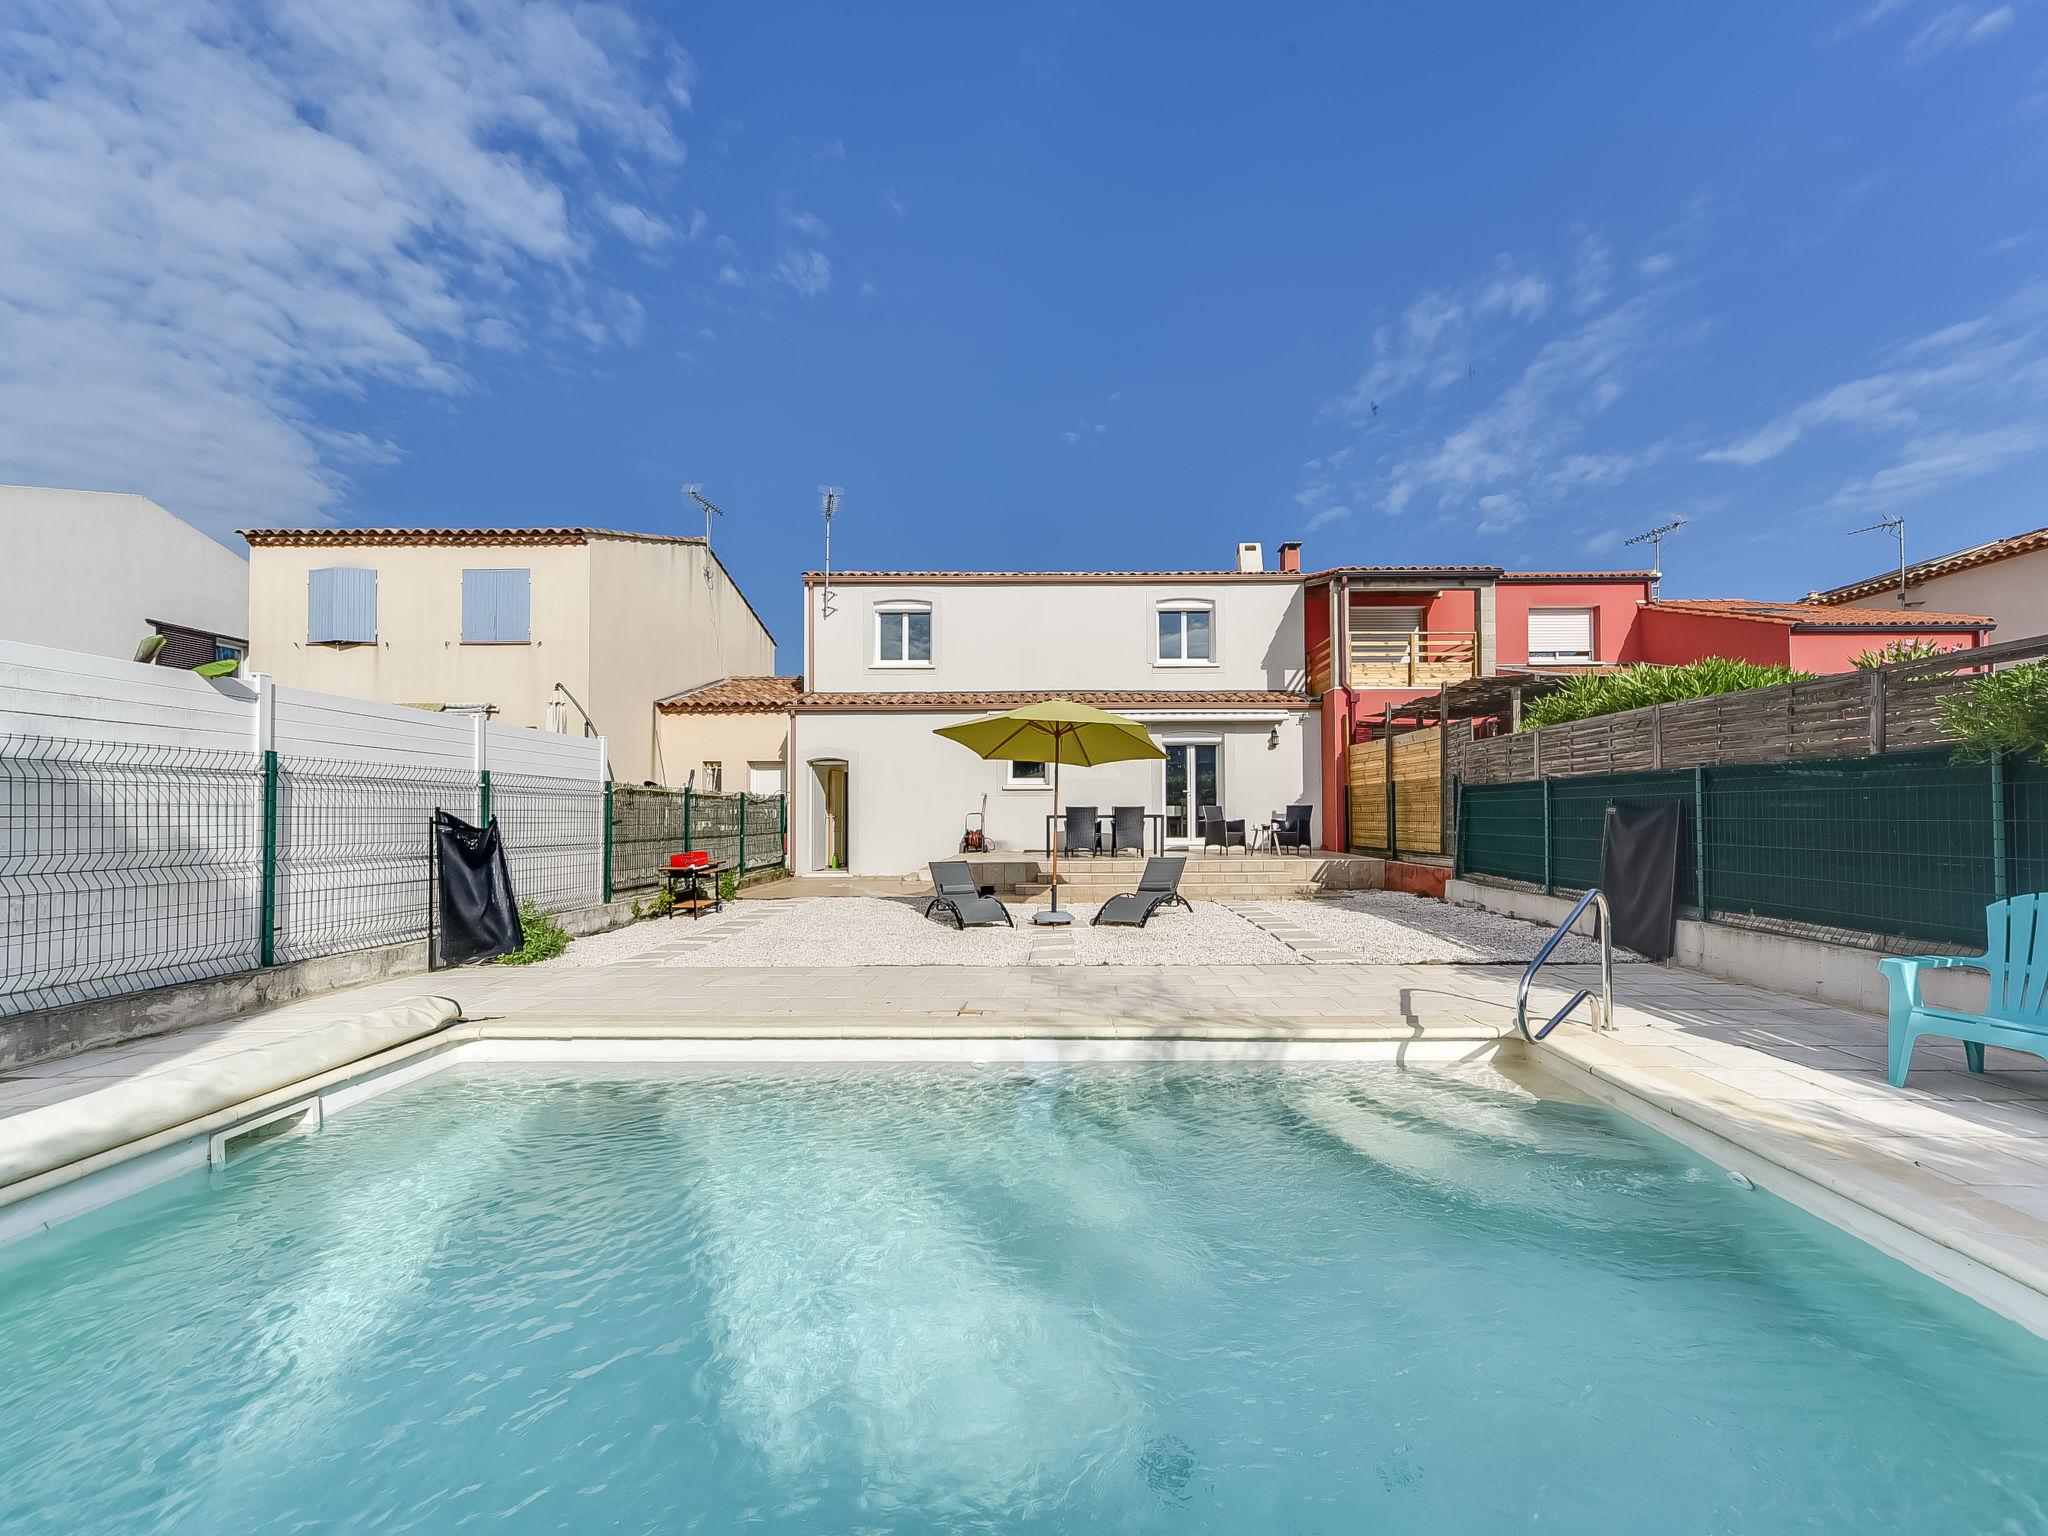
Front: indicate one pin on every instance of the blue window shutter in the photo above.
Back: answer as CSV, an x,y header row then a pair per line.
x,y
497,606
341,606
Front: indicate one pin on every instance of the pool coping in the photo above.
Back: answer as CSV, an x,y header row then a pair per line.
x,y
1982,1249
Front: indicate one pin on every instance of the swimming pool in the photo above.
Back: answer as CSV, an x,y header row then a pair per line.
x,y
911,1298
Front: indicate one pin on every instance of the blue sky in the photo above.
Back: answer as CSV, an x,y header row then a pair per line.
x,y
1079,286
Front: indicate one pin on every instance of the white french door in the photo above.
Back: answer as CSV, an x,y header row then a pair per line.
x,y
1194,778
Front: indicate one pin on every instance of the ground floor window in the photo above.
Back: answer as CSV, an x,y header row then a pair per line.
x,y
713,779
1029,776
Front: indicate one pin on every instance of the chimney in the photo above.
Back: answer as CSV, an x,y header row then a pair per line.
x,y
1290,557
1251,557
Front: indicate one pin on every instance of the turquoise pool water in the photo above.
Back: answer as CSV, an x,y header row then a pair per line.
x,y
1145,1299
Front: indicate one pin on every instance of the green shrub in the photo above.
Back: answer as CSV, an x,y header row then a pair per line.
x,y
1606,693
1902,650
728,885
545,938
2003,711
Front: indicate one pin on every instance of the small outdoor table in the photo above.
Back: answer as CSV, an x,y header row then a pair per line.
x,y
691,895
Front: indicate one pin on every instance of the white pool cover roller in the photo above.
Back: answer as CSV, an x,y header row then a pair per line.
x,y
38,1140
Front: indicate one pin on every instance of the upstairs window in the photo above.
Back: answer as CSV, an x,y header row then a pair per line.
x,y
903,635
1560,635
497,607
341,606
1186,635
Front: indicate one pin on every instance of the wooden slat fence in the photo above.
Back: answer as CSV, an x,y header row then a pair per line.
x,y
1883,709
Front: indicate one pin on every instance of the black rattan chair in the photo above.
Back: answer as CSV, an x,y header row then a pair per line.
x,y
1080,835
1128,829
1218,833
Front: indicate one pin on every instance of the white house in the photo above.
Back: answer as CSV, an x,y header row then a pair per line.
x,y
100,572
1211,661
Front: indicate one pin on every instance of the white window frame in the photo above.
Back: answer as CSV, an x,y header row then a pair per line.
x,y
714,777
1561,658
1040,780
1183,605
904,606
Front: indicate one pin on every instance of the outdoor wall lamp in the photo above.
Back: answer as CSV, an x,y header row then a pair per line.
x,y
1273,739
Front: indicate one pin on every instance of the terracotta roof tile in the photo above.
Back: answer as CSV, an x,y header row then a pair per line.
x,y
1941,565
734,695
1822,615
1578,575
343,537
1127,698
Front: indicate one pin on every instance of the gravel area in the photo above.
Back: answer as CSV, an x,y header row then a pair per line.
x,y
1395,928
861,930
1209,935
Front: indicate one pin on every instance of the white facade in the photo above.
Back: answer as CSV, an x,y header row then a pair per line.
x,y
95,571
1210,662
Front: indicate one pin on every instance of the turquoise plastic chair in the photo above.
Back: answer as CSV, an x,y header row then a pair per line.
x,y
2015,1014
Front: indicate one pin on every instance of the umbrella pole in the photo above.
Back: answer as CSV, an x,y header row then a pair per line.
x,y
1055,822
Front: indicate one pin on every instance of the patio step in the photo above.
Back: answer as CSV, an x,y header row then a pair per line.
x,y
1038,894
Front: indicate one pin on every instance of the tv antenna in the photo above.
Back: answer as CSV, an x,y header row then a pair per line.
x,y
828,502
1655,538
711,510
1894,524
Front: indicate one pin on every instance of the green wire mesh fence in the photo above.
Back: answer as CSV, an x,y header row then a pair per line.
x,y
651,825
1907,846
124,867
129,867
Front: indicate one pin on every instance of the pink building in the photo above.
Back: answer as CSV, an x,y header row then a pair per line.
x,y
1381,635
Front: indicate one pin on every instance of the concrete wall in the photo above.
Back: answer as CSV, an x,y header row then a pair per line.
x,y
2013,591
1840,974
909,791
87,571
657,627
1669,638
1076,636
419,656
688,741
1834,650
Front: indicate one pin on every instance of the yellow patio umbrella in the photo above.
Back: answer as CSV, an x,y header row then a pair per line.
x,y
1054,731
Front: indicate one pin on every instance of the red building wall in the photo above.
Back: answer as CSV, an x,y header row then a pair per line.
x,y
1835,650
1614,604
1670,639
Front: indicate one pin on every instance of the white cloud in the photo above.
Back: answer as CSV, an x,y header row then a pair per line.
x,y
1523,440
1950,377
637,224
1655,265
730,276
1436,340
1937,461
802,222
1324,517
1500,511
808,272
209,222
836,150
699,222
1592,270
1958,26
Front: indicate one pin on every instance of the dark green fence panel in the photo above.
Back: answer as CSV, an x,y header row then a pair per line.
x,y
1907,845
1897,845
1502,830
1578,816
648,825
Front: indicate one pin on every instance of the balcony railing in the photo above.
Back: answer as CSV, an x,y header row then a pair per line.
x,y
1416,656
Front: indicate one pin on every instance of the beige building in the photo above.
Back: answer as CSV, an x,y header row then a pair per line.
x,y
2006,579
733,734
578,630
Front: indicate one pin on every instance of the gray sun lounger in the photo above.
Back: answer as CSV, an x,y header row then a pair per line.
x,y
956,894
1158,887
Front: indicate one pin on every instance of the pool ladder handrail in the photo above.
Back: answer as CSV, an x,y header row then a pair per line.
x,y
1603,1011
